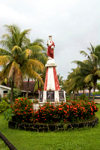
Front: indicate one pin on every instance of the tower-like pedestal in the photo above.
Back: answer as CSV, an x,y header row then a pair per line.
x,y
52,92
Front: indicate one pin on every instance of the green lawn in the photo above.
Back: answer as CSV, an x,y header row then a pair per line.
x,y
3,146
78,139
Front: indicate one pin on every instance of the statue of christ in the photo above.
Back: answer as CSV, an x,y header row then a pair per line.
x,y
51,45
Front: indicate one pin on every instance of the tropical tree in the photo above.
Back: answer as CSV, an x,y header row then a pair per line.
x,y
74,81
92,65
39,53
87,72
61,81
15,57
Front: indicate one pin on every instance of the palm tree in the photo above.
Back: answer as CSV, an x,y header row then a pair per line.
x,y
39,53
86,73
60,78
72,83
92,64
14,57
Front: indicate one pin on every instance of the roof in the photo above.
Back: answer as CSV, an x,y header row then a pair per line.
x,y
9,88
5,87
31,86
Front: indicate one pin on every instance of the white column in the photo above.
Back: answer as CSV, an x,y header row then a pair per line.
x,y
50,80
56,96
44,96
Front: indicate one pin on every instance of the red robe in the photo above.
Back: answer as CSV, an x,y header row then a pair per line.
x,y
50,52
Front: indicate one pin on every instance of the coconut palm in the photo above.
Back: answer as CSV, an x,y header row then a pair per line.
x,y
86,73
39,53
92,64
60,79
14,57
74,81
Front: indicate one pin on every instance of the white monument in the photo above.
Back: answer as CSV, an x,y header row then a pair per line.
x,y
52,92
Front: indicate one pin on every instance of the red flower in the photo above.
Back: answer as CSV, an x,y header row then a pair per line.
x,y
91,109
25,108
91,113
65,112
60,108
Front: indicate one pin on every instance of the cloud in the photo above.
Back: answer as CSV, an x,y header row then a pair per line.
x,y
73,24
7,13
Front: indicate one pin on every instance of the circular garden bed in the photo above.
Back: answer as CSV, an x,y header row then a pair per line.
x,y
52,117
51,127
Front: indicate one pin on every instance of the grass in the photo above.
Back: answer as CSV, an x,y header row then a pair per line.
x,y
78,139
3,146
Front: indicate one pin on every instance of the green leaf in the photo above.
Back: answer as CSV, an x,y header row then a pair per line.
x,y
88,78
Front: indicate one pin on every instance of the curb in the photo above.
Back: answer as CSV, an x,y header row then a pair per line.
x,y
41,127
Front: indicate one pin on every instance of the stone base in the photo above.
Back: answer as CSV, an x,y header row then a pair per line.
x,y
51,127
52,96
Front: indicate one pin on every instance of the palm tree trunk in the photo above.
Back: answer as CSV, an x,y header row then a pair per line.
x,y
94,86
27,87
12,89
89,92
73,95
94,89
83,91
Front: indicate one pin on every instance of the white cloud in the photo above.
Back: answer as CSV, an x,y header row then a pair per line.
x,y
73,24
7,13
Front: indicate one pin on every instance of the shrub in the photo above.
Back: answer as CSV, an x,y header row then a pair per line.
x,y
65,113
16,93
72,111
3,106
5,98
8,114
96,93
22,110
83,97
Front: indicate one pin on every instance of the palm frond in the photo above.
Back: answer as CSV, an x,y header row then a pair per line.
x,y
12,29
92,49
28,52
33,74
84,53
4,52
15,73
16,50
5,36
88,78
4,60
37,65
97,73
23,37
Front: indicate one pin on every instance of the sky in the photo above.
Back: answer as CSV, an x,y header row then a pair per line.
x,y
74,24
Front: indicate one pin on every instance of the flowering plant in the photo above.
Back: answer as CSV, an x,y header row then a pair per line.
x,y
72,112
22,110
53,113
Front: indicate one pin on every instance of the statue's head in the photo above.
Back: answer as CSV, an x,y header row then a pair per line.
x,y
50,37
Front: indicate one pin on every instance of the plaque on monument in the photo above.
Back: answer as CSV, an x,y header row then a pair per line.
x,y
50,96
41,96
61,95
